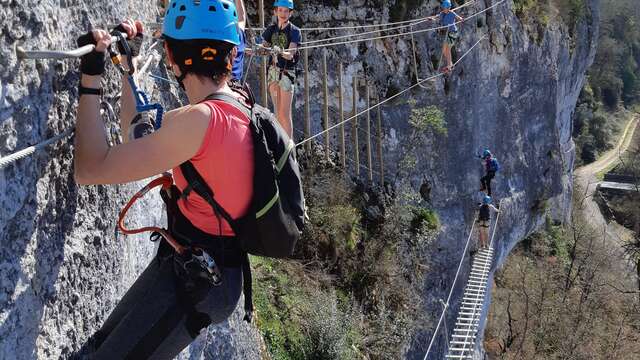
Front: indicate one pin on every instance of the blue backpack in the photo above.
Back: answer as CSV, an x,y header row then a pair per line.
x,y
494,165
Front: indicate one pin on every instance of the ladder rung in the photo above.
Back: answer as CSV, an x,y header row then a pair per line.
x,y
471,281
481,266
483,257
465,327
475,286
474,302
479,276
474,298
468,319
462,342
459,356
464,336
469,313
461,349
474,291
470,330
480,269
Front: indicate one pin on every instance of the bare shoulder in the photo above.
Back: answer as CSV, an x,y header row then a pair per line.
x,y
189,114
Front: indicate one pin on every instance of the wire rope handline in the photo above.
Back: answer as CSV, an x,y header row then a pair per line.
x,y
389,98
21,53
407,24
327,28
6,160
455,279
403,33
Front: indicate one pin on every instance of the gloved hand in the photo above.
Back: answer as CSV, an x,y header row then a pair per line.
x,y
134,33
92,63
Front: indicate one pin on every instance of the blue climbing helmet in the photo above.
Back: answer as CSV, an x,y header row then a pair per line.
x,y
486,153
446,4
205,19
284,3
486,200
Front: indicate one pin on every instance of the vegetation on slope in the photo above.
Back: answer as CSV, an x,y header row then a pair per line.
x,y
613,84
353,290
562,294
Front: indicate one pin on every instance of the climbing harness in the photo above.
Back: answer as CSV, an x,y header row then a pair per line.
x,y
142,101
165,181
188,255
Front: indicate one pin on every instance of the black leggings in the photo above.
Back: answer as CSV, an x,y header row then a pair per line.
x,y
485,181
152,322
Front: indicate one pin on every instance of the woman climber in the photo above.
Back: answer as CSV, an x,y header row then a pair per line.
x,y
282,70
172,301
448,18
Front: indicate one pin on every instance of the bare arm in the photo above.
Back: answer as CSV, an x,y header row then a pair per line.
x,y
177,141
290,52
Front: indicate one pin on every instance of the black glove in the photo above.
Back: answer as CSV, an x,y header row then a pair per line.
x,y
134,44
93,62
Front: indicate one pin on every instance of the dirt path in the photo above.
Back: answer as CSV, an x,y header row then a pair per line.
x,y
611,156
585,180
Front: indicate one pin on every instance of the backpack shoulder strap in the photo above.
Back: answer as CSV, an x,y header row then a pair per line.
x,y
196,183
246,109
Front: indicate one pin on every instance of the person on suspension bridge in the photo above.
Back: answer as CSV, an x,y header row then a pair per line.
x,y
491,167
448,18
282,70
484,221
201,265
238,61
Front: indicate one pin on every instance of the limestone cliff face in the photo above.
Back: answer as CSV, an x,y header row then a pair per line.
x,y
64,266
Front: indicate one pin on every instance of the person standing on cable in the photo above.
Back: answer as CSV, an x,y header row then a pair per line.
x,y
491,167
172,300
284,37
484,221
238,62
448,18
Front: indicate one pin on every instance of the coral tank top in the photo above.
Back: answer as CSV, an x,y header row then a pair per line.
x,y
225,162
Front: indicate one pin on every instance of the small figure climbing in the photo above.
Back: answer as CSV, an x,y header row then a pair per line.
x,y
448,18
491,166
484,221
282,71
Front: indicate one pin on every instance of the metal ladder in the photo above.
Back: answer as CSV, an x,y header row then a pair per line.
x,y
463,340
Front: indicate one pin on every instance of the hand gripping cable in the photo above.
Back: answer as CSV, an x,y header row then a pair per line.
x,y
142,101
165,181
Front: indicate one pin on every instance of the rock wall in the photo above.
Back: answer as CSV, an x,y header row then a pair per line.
x,y
64,266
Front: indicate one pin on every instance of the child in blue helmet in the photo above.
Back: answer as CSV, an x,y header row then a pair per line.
x,y
282,70
176,296
491,166
484,220
448,18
